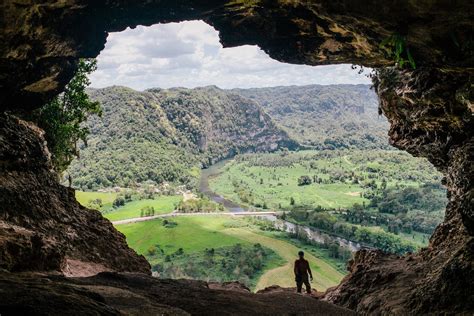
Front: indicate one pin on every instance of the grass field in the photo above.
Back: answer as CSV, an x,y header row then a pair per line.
x,y
192,234
281,184
324,274
162,205
195,234
273,178
107,198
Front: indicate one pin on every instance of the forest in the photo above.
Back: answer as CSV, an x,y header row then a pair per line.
x,y
168,135
223,264
325,116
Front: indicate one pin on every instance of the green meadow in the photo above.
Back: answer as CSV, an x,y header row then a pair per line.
x,y
191,233
196,235
107,198
161,205
272,179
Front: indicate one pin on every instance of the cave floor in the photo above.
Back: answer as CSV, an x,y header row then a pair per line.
x,y
138,294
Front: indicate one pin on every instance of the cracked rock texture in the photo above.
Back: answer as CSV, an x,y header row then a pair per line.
x,y
430,109
430,112
136,294
42,226
41,40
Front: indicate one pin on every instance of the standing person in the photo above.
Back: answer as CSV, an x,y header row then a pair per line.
x,y
302,270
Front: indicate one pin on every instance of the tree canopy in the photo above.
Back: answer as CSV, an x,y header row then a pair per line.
x,y
63,117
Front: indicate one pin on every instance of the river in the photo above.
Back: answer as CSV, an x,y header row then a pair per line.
x,y
312,234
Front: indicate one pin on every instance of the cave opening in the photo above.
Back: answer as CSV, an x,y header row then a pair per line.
x,y
429,108
153,160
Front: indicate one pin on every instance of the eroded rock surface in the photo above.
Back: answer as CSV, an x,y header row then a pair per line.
x,y
41,40
430,112
138,294
42,226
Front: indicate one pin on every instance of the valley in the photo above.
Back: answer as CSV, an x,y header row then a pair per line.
x,y
383,199
173,186
197,247
208,247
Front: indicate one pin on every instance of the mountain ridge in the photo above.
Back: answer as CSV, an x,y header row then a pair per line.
x,y
167,135
325,116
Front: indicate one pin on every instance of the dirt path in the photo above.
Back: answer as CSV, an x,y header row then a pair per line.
x,y
175,213
347,160
325,276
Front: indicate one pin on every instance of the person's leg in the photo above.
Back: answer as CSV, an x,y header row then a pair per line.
x,y
308,286
299,285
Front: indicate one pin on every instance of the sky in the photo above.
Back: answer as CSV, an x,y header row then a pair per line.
x,y
188,54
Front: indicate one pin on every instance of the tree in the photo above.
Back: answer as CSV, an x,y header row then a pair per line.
x,y
63,117
95,204
304,180
119,201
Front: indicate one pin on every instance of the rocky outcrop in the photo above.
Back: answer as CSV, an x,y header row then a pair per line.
x,y
136,294
430,112
431,115
42,227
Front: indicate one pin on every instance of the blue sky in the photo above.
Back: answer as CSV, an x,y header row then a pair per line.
x,y
188,54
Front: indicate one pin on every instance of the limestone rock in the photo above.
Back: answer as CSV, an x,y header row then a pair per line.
x,y
42,226
138,294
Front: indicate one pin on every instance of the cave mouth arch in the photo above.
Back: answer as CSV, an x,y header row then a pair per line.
x,y
429,109
140,35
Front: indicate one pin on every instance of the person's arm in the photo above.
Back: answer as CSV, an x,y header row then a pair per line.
x,y
295,270
310,273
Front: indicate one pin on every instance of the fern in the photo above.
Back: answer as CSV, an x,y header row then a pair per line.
x,y
396,48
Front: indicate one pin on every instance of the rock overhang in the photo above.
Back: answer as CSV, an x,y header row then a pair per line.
x,y
42,41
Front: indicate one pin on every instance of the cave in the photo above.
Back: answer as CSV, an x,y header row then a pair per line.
x,y
44,232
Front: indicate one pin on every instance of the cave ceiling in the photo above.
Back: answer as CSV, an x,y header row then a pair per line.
x,y
42,40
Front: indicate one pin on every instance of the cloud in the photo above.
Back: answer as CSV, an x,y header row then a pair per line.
x,y
188,54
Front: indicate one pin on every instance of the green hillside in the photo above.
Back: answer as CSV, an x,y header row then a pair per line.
x,y
168,135
325,117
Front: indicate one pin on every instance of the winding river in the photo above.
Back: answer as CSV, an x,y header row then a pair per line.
x,y
312,234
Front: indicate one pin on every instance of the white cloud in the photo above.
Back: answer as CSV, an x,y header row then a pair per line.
x,y
189,54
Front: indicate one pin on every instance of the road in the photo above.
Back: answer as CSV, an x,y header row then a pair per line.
x,y
174,214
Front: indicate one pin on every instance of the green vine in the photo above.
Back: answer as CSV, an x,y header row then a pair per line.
x,y
396,48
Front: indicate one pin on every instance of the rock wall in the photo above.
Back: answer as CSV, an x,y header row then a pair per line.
x,y
137,294
42,227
